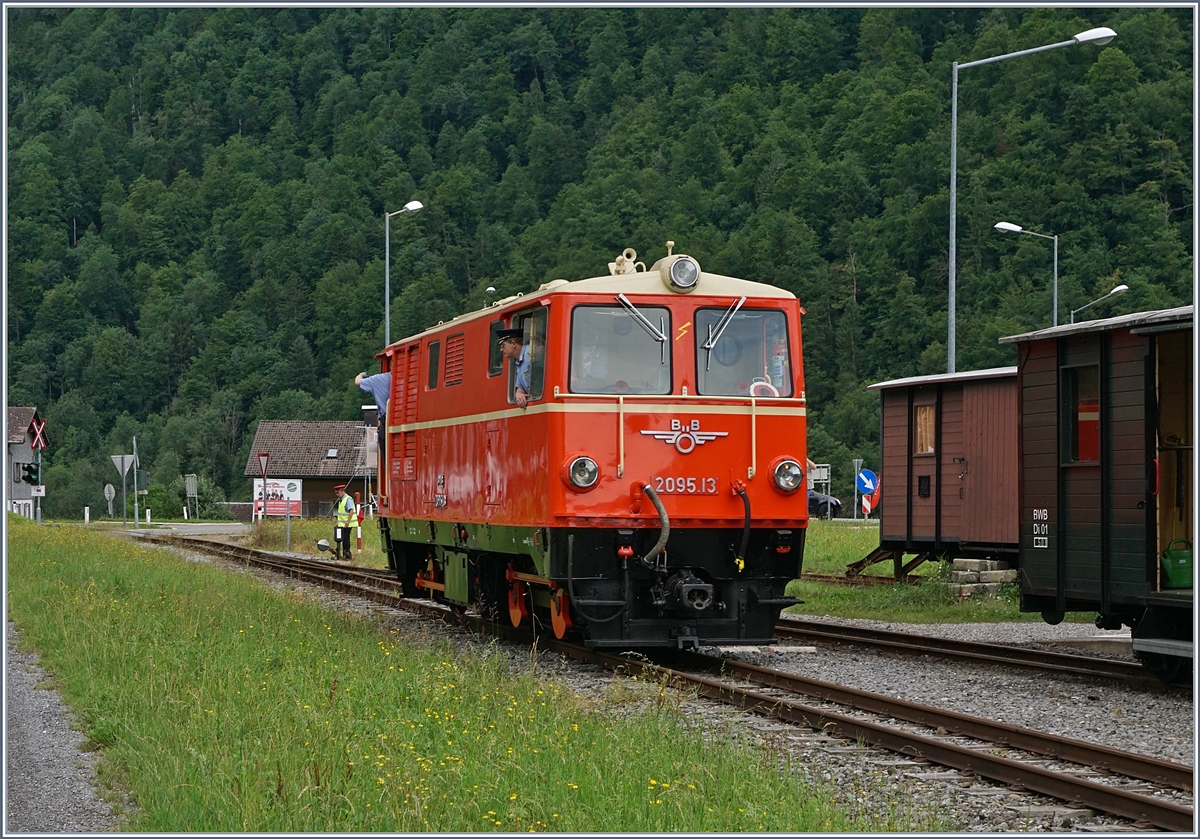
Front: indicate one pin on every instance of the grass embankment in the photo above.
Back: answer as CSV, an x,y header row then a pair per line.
x,y
223,705
832,545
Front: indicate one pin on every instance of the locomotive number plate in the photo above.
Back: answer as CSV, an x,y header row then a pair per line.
x,y
684,486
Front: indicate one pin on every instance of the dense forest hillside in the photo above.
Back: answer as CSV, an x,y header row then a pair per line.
x,y
195,196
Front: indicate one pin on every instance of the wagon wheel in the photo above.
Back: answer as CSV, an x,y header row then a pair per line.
x,y
560,613
1170,669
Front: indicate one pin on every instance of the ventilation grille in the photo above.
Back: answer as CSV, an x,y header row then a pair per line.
x,y
455,353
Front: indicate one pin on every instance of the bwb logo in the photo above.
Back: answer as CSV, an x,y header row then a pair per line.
x,y
685,439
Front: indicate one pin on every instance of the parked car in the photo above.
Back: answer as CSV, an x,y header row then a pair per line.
x,y
823,506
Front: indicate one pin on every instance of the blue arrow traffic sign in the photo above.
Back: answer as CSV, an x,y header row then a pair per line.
x,y
867,482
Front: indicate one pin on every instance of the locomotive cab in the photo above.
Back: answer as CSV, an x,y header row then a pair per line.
x,y
648,493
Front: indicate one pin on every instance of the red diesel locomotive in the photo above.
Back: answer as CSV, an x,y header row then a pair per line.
x,y
650,494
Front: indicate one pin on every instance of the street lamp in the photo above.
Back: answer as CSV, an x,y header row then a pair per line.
x,y
1121,289
410,207
1006,227
1099,36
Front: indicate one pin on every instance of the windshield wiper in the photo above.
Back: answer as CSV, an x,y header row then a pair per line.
x,y
714,332
656,332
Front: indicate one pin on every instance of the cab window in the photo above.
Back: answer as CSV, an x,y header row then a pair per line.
x,y
620,349
495,359
742,352
534,348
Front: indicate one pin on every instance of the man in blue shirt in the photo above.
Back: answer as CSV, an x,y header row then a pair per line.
x,y
380,388
512,348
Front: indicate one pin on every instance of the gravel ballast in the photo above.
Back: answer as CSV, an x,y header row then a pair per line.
x,y
49,777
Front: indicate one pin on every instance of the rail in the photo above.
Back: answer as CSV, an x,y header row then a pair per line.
x,y
979,652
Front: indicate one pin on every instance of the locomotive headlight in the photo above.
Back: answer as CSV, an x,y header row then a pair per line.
x,y
583,472
789,475
680,273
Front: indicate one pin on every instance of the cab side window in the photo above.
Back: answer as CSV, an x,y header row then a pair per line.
x,y
533,350
495,358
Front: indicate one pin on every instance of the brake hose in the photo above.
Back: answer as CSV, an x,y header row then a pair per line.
x,y
740,559
664,522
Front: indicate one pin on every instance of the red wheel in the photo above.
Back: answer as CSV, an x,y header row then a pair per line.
x,y
517,610
560,612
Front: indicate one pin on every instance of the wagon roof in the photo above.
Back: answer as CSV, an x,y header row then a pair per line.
x,y
941,378
1161,317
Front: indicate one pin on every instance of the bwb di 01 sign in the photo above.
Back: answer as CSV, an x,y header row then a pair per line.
x,y
1041,528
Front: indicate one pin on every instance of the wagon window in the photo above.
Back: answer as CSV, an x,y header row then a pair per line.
x,y
612,351
1081,393
923,429
742,352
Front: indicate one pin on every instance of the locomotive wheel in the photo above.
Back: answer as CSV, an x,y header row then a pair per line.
x,y
518,609
414,564
560,613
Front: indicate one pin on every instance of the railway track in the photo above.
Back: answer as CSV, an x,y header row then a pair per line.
x,y
1145,790
1023,657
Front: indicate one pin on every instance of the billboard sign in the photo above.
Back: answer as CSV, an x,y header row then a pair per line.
x,y
281,494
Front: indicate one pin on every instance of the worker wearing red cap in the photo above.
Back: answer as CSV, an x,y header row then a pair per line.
x,y
346,514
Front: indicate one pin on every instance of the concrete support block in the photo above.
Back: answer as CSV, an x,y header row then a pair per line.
x,y
964,576
975,565
971,589
997,576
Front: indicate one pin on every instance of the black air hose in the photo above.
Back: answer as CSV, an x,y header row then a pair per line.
x,y
740,560
664,523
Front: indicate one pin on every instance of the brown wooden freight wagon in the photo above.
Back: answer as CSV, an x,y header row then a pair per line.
x,y
1107,478
948,483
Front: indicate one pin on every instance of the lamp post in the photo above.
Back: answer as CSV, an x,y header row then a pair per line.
x,y
410,207
1099,36
1121,289
1006,227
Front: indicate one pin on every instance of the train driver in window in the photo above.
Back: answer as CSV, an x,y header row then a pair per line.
x,y
513,348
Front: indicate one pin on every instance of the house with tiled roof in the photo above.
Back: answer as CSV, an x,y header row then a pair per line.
x,y
19,453
318,455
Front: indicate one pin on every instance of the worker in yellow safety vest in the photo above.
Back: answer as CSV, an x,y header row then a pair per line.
x,y
346,514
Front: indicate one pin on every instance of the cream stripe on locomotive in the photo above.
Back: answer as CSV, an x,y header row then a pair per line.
x,y
627,408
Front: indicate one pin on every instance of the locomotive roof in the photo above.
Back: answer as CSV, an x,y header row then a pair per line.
x,y
1180,318
941,378
640,282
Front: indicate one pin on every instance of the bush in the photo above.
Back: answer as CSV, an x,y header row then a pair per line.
x,y
167,500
